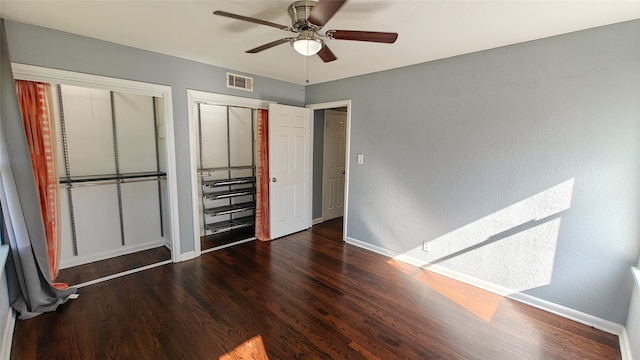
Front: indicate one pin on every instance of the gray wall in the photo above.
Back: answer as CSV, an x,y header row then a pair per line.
x,y
318,157
54,49
519,164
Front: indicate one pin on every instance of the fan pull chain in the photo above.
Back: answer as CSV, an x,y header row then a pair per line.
x,y
306,69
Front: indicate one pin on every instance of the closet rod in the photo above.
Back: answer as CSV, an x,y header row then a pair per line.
x,y
125,176
108,182
214,169
227,106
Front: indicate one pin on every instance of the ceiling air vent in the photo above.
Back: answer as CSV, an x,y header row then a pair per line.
x,y
236,81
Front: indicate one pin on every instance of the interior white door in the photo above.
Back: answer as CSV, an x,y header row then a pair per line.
x,y
289,169
334,160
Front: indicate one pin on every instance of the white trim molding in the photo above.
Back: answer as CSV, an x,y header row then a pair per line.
x,y
568,313
625,345
121,274
188,256
55,76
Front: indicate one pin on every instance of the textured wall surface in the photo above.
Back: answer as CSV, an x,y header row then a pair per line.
x,y
39,46
520,165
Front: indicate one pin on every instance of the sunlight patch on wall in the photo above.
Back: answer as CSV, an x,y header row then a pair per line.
x,y
514,247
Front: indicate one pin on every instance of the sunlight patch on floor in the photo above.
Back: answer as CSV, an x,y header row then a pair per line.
x,y
251,349
481,303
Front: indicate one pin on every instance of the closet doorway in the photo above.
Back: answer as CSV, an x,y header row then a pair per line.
x,y
223,158
331,135
115,160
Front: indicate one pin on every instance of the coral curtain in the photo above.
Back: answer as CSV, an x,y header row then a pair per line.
x,y
262,177
34,99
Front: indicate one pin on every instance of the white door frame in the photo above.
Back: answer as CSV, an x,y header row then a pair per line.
x,y
54,76
194,97
347,151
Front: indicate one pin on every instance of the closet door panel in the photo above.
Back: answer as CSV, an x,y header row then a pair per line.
x,y
87,117
240,136
214,135
97,219
140,212
136,132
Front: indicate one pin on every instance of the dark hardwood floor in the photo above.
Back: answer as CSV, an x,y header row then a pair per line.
x,y
98,269
305,296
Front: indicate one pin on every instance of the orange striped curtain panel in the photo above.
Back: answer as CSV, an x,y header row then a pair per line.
x,y
35,106
262,177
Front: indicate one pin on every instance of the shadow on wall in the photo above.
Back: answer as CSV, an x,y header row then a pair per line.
x,y
514,247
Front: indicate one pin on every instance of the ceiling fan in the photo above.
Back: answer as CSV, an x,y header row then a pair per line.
x,y
307,18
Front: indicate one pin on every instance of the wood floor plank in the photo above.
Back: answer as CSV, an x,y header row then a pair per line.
x,y
305,296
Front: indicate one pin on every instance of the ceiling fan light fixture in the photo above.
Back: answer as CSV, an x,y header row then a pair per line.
x,y
307,46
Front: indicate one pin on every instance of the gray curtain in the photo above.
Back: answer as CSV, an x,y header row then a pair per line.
x,y
30,292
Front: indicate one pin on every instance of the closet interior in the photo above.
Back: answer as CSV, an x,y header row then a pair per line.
x,y
110,157
227,174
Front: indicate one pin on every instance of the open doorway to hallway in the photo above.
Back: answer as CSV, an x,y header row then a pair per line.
x,y
330,164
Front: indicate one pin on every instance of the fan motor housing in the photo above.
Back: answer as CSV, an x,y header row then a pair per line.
x,y
299,12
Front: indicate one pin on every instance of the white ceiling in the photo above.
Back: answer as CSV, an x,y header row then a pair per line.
x,y
428,30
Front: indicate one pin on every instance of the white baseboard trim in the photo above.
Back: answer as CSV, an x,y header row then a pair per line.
x,y
568,313
317,221
79,260
124,273
625,345
565,312
187,256
7,336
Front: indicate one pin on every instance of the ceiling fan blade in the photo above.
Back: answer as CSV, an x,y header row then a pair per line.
x,y
249,19
372,36
324,11
326,55
268,46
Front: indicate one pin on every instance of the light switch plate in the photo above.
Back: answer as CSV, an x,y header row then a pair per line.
x,y
360,159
